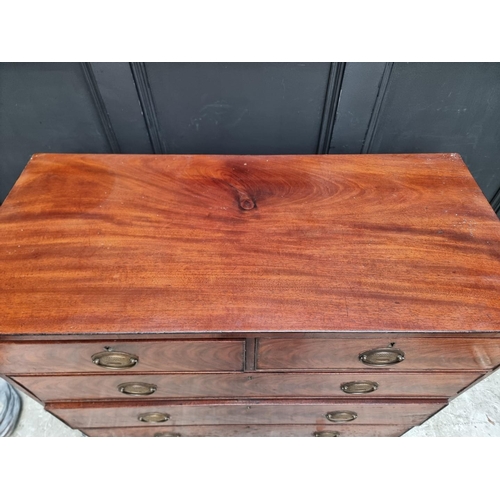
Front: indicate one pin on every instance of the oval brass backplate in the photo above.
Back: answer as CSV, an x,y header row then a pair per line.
x,y
359,387
115,360
167,435
330,434
341,416
153,417
384,356
137,388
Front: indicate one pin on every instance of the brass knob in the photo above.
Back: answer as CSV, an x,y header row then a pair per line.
x,y
382,357
328,434
341,416
115,360
359,387
167,435
137,388
154,417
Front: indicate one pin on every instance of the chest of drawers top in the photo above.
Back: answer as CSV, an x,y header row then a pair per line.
x,y
100,244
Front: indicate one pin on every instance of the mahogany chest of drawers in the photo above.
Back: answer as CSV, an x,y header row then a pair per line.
x,y
247,295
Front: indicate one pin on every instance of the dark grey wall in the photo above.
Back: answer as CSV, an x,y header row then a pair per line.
x,y
445,108
44,108
252,108
239,108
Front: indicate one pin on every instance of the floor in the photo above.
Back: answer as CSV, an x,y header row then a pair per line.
x,y
474,413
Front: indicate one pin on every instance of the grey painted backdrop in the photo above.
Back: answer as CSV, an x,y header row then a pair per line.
x,y
252,108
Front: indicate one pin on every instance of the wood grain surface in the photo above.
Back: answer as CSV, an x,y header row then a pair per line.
x,y
97,414
420,354
227,355
166,355
241,385
250,431
113,243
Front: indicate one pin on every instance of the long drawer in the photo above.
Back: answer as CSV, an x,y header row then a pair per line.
x,y
404,354
241,385
252,431
161,413
100,357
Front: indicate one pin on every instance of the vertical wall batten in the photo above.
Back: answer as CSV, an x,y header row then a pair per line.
x,y
100,107
148,107
332,97
372,126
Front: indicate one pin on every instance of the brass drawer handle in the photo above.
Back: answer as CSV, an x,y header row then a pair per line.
x,y
341,416
137,388
382,357
153,417
115,360
329,434
359,387
167,435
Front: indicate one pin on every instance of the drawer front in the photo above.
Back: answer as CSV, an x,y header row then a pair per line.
x,y
154,356
167,414
252,431
419,354
257,385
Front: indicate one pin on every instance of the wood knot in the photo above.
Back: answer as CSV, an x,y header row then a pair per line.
x,y
246,203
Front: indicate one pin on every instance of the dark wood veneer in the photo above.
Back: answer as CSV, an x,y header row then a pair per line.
x,y
99,414
171,355
420,353
248,286
258,385
250,431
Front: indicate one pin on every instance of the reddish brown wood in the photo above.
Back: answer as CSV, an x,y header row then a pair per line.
x,y
198,263
94,243
420,353
251,431
170,355
240,385
250,412
384,337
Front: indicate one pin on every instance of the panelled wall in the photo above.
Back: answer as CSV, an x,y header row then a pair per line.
x,y
252,108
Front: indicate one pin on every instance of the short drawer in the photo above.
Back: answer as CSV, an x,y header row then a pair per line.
x,y
452,353
241,385
107,356
161,413
252,431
